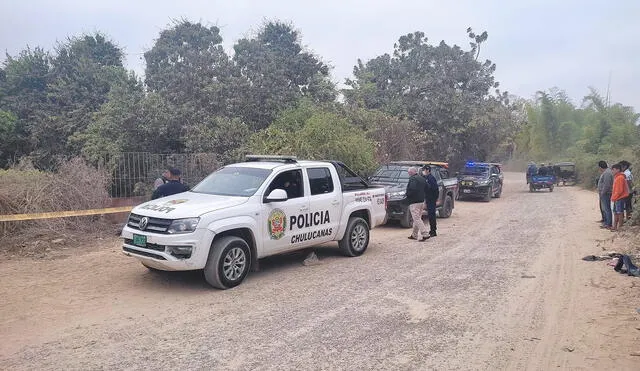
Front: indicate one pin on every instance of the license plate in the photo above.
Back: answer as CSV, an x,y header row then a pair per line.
x,y
139,240
466,191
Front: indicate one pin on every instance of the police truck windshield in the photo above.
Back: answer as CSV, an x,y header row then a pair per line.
x,y
233,181
475,170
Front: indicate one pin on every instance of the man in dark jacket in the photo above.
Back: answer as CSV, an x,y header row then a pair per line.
x,y
171,187
415,199
431,194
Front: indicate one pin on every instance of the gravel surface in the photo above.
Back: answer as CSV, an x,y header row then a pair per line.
x,y
501,287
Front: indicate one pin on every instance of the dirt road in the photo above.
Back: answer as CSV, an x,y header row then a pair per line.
x,y
501,287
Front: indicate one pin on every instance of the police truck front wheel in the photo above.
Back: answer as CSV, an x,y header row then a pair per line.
x,y
356,238
228,263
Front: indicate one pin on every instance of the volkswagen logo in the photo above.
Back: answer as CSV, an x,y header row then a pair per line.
x,y
143,223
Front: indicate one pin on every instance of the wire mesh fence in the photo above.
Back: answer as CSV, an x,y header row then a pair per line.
x,y
133,173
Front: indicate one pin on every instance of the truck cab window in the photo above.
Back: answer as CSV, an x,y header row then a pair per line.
x,y
290,181
320,180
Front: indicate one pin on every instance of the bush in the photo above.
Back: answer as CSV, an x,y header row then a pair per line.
x,y
317,134
76,186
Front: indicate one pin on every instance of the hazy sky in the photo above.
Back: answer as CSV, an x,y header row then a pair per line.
x,y
536,44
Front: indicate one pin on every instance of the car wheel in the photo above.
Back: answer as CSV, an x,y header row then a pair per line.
x,y
499,193
228,263
531,189
356,238
447,208
487,197
551,189
407,219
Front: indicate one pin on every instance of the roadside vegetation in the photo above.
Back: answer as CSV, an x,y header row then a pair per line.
x,y
422,99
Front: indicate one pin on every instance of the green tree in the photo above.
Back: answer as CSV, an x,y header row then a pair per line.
x,y
277,73
81,76
117,125
189,68
23,92
313,132
9,138
227,138
439,87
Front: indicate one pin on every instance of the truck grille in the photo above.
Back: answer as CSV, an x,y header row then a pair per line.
x,y
143,253
156,225
150,246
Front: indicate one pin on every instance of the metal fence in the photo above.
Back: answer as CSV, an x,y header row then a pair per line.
x,y
133,173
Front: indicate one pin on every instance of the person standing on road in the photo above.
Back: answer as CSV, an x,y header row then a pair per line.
x,y
605,187
415,198
626,169
431,194
171,187
619,195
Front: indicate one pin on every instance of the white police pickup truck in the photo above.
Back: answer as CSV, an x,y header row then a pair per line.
x,y
246,211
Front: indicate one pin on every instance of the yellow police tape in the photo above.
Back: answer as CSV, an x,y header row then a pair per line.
x,y
64,214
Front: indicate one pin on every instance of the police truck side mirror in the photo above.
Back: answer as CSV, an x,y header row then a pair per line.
x,y
277,195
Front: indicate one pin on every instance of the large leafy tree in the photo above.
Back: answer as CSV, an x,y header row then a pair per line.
x,y
23,97
277,73
440,87
189,68
78,83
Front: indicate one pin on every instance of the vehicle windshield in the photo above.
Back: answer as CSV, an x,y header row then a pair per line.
x,y
391,173
475,170
233,181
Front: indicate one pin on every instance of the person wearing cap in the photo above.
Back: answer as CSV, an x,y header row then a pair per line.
x,y
172,186
431,194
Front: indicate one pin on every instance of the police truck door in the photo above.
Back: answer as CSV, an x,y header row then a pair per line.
x,y
280,219
325,203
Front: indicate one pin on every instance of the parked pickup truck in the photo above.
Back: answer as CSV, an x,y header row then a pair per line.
x,y
394,177
481,180
246,211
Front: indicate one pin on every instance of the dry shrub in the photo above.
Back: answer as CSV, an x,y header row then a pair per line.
x,y
398,140
76,186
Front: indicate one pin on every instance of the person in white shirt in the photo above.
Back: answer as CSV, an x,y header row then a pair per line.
x,y
626,168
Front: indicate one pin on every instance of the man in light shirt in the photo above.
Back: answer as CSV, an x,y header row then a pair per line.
x,y
626,168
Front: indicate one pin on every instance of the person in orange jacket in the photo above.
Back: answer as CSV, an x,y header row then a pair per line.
x,y
619,195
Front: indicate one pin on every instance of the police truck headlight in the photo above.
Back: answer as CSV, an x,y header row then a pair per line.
x,y
483,182
187,225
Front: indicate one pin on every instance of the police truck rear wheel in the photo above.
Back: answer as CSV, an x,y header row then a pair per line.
x,y
407,219
356,238
228,263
